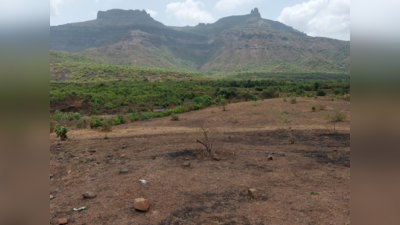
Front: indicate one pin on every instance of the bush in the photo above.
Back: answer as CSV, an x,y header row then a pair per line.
x,y
61,132
321,106
174,117
96,122
284,99
321,92
313,108
52,125
105,125
255,104
118,120
81,124
286,118
268,94
338,117
293,100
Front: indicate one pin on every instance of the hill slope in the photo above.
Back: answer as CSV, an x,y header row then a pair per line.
x,y
245,43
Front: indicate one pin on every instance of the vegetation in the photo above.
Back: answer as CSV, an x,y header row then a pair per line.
x,y
313,108
286,118
174,117
61,132
338,117
293,100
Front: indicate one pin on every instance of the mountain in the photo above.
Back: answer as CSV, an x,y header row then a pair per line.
x,y
234,44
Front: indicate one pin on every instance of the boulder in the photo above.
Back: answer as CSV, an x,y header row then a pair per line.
x,y
89,194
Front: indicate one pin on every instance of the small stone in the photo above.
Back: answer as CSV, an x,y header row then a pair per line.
x,y
63,221
115,149
141,204
153,157
58,143
270,157
123,147
186,158
92,150
89,194
51,197
56,191
123,170
253,193
123,156
51,176
186,164
69,171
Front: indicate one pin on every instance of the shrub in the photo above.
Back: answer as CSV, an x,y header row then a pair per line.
x,y
255,104
105,137
134,117
105,125
286,118
321,92
321,106
81,124
268,94
118,120
339,117
258,88
313,108
293,100
96,122
174,117
61,132
285,99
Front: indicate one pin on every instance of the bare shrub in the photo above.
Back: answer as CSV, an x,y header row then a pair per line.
x,y
106,126
321,106
338,117
174,117
207,141
81,124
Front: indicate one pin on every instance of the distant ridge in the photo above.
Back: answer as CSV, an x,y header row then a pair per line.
x,y
234,44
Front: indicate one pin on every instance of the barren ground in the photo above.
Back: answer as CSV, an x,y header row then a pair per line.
x,y
209,191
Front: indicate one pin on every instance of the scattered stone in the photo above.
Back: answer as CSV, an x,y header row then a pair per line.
x,y
216,158
90,159
63,221
69,171
91,150
123,147
58,143
123,170
89,194
123,156
335,150
186,164
253,193
115,149
56,191
141,204
51,176
153,157
186,158
270,157
51,197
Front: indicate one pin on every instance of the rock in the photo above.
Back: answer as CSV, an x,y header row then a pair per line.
x,y
123,170
91,150
89,194
51,176
153,157
58,143
63,221
56,191
115,149
253,193
141,204
186,164
123,156
123,147
270,157
51,197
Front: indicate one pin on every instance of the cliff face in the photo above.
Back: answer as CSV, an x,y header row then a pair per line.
x,y
246,43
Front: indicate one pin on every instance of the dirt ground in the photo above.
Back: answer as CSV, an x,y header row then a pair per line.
x,y
307,182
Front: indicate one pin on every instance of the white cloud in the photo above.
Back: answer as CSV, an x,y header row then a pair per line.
x,y
54,7
151,12
326,18
189,12
229,5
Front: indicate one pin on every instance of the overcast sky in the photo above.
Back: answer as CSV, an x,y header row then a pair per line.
x,y
323,18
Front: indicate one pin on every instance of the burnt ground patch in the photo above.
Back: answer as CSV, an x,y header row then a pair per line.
x,y
337,158
185,153
208,208
282,137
